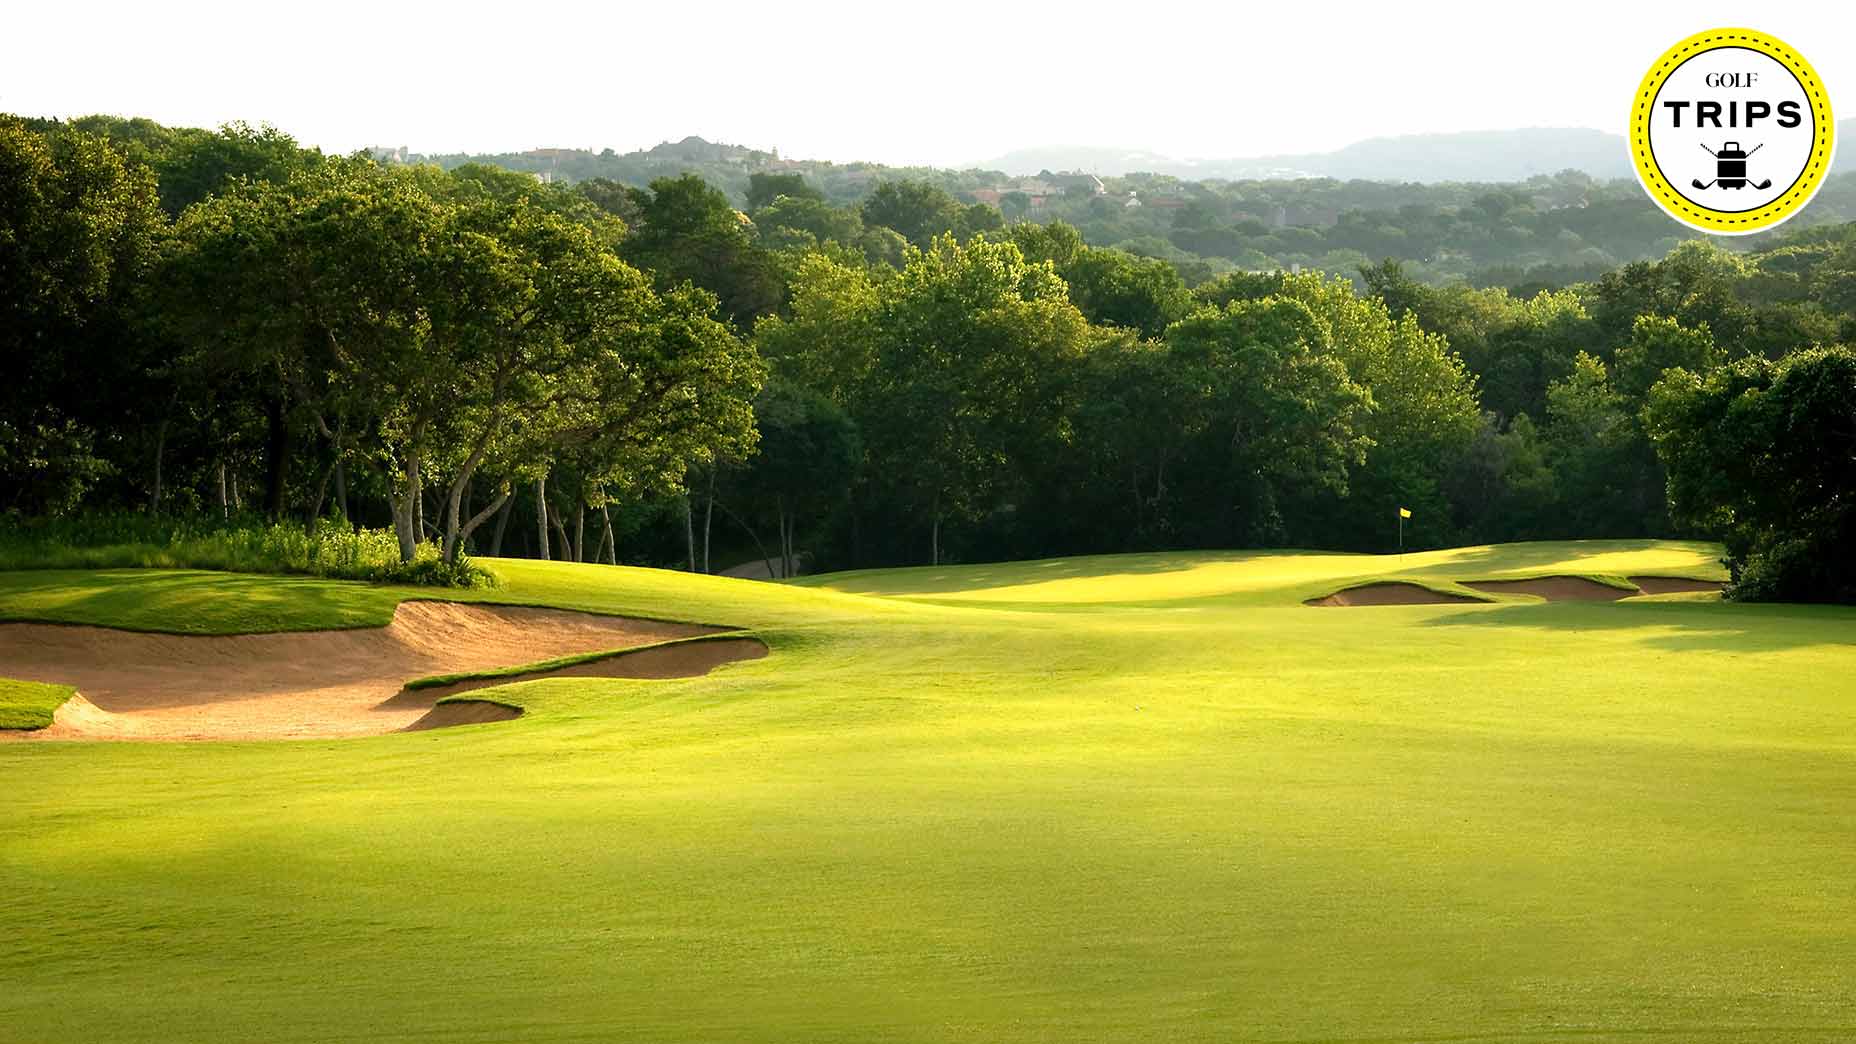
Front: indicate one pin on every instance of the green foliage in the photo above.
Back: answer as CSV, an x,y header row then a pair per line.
x,y
1765,453
78,228
765,189
316,336
915,210
689,232
1658,344
1268,415
331,549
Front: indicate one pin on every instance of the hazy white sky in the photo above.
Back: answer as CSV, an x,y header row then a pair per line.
x,y
937,83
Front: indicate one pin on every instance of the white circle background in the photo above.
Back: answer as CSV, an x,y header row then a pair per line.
x,y
1783,152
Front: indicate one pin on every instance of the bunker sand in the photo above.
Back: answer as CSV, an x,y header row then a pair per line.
x,y
1547,588
1554,588
303,685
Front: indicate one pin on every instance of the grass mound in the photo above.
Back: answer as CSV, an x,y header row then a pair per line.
x,y
1391,592
30,705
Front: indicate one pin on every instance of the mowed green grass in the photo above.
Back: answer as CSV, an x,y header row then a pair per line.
x,y
1130,798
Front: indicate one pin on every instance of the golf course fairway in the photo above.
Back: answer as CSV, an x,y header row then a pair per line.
x,y
1130,798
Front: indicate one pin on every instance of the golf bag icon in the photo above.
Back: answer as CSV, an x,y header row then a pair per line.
x,y
1730,167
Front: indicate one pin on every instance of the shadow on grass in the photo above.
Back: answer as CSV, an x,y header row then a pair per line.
x,y
1551,554
927,579
193,601
1678,626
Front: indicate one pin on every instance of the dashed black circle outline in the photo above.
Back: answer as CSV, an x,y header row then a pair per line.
x,y
1784,204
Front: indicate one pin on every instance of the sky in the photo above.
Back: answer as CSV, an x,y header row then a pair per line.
x,y
943,84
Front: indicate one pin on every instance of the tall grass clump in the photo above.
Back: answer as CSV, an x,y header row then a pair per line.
x,y
239,545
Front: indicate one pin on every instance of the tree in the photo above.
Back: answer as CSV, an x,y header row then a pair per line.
x,y
1111,287
197,165
915,210
1271,417
688,232
1658,344
813,220
764,189
80,227
809,453
1606,472
1424,413
488,333
1764,454
951,369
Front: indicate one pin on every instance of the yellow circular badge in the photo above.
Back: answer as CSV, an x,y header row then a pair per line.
x,y
1731,131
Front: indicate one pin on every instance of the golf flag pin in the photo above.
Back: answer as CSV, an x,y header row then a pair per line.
x,y
1404,512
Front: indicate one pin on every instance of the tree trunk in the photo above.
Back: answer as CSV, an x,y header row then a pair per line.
x,y
752,535
238,503
610,541
689,529
315,506
407,510
935,534
455,541
541,518
792,544
277,454
560,531
779,535
225,506
341,487
708,519
580,530
786,539
502,522
418,503
161,445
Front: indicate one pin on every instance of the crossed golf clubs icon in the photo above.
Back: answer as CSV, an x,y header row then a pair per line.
x,y
1730,167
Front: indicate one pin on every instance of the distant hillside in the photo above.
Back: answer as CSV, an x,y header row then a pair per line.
x,y
1496,156
1473,156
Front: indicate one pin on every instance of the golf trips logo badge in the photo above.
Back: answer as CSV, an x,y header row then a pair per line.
x,y
1731,131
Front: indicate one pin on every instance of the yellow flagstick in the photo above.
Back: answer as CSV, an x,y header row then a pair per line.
x,y
1403,514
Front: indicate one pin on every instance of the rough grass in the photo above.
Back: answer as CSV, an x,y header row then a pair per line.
x,y
1126,799
29,705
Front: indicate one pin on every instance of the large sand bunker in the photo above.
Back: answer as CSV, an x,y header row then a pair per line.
x,y
1391,592
1548,588
1554,588
309,684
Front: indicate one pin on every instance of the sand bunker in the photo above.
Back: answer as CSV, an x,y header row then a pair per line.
x,y
310,684
1390,593
1554,588
677,660
1655,585
463,712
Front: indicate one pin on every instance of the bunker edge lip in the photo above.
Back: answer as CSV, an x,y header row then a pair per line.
x,y
1802,188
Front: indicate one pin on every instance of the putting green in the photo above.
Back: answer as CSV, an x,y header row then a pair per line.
x,y
1110,799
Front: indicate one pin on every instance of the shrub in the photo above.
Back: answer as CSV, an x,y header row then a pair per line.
x,y
242,545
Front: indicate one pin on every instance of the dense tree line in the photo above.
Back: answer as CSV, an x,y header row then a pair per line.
x,y
602,371
1550,230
